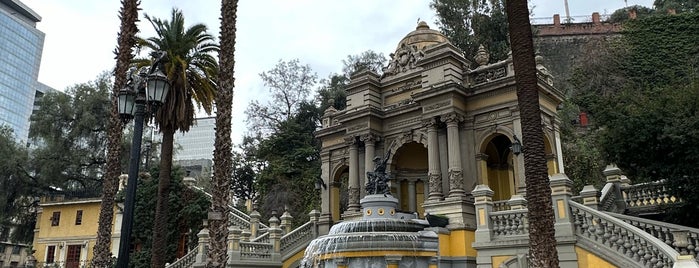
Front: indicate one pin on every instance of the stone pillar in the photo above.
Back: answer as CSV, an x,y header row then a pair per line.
x,y
369,151
397,195
233,244
517,202
275,235
286,222
353,190
412,196
254,223
434,173
590,196
314,216
482,160
561,191
200,259
483,201
613,175
456,180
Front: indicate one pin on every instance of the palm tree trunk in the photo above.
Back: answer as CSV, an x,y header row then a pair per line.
x,y
160,229
129,17
542,243
218,230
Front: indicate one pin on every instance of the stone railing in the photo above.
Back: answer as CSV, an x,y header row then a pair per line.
x,y
617,236
648,195
255,250
186,261
300,237
264,238
509,223
500,205
236,216
684,240
608,198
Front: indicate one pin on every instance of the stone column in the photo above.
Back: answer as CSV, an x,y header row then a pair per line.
x,y
483,201
456,180
286,222
482,160
201,258
353,190
254,223
590,196
275,235
233,244
369,152
434,174
412,196
561,191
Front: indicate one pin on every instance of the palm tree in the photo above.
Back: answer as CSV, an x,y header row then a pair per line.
x,y
542,249
191,69
218,229
129,17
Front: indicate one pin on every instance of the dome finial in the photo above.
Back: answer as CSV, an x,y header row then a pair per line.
x,y
482,57
422,25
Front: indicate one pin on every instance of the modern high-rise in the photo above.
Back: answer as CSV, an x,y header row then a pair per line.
x,y
21,45
196,146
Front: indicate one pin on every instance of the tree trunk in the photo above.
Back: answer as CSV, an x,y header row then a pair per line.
x,y
542,243
223,168
160,228
129,17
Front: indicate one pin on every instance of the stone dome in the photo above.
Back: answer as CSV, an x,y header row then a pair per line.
x,y
422,37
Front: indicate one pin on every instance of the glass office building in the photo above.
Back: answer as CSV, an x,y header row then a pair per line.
x,y
21,45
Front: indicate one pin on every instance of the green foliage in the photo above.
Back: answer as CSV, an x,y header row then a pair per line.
x,y
191,68
188,209
471,23
680,6
622,14
367,60
645,101
17,204
69,132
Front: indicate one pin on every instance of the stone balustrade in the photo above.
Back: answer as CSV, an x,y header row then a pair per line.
x,y
648,195
186,261
618,236
684,240
509,223
500,205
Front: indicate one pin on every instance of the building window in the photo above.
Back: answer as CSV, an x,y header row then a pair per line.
x,y
56,218
15,250
79,217
50,252
2,250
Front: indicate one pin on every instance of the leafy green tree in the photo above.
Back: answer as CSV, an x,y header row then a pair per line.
x,y
471,23
16,191
70,135
192,70
622,14
188,207
367,60
290,84
679,6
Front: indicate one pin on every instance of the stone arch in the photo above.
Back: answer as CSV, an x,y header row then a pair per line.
x,y
409,165
417,136
496,164
550,153
338,187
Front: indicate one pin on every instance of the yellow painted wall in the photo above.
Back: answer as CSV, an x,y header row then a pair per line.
x,y
457,244
291,260
587,259
66,231
498,260
499,180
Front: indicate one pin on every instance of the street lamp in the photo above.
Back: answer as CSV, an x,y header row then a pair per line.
x,y
516,146
143,93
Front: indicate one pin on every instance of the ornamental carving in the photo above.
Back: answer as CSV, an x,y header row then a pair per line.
x,y
369,138
405,59
435,182
452,118
456,179
353,195
430,123
351,140
436,106
490,75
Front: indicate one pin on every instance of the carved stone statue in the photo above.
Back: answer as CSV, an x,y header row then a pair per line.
x,y
377,181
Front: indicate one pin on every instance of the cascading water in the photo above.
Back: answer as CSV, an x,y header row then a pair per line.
x,y
383,236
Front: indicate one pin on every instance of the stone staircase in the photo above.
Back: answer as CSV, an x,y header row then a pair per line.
x,y
596,222
254,243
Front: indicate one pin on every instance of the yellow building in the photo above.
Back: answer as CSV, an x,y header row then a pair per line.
x,y
66,231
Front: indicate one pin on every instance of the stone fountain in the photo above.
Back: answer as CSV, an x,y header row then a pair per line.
x,y
384,237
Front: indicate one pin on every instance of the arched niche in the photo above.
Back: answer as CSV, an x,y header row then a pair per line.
x,y
409,176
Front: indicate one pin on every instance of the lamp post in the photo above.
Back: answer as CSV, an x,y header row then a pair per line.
x,y
143,93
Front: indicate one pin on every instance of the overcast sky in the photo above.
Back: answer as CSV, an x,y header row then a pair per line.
x,y
81,34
